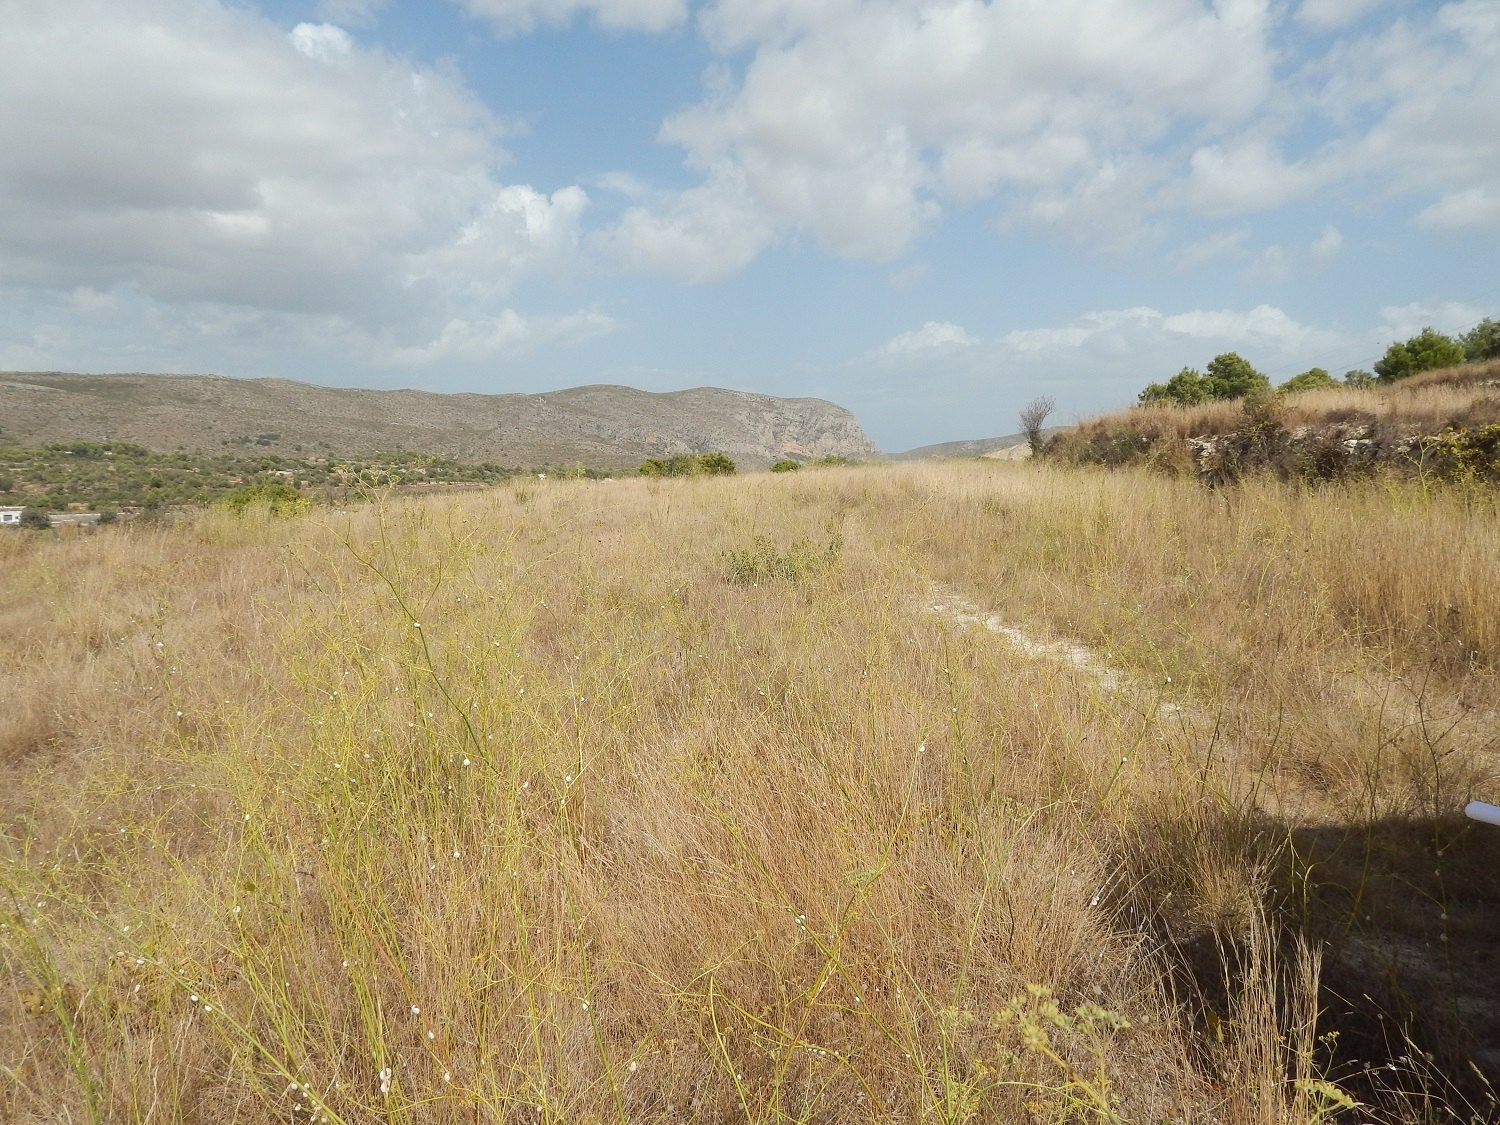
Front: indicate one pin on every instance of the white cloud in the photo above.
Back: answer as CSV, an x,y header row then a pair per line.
x,y
322,41
206,158
1248,176
1264,324
493,337
1121,330
509,16
1223,244
1272,266
1328,245
467,340
1472,208
1428,83
856,121
935,335
1087,327
1400,322
706,234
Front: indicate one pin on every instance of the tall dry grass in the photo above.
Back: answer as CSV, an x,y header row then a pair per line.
x,y
582,801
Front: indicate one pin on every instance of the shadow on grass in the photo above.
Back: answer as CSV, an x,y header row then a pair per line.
x,y
1405,913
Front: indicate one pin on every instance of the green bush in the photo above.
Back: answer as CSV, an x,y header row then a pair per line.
x,y
762,562
1315,379
717,464
277,499
1482,341
785,465
689,465
1428,350
36,519
1229,376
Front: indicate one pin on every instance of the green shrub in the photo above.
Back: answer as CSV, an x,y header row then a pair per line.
x,y
1229,376
277,499
36,519
1426,351
689,465
1315,379
785,465
762,562
1482,341
717,464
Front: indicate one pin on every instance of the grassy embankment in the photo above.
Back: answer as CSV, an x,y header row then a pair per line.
x,y
1440,425
591,801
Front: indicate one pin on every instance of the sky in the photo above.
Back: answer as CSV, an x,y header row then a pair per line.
x,y
931,212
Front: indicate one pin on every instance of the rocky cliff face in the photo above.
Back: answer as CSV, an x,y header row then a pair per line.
x,y
600,426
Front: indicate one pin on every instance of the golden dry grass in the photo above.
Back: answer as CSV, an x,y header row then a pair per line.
x,y
543,804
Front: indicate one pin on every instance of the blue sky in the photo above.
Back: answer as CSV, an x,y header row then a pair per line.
x,y
929,211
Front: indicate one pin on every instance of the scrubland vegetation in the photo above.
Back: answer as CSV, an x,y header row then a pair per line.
x,y
1439,426
119,474
772,798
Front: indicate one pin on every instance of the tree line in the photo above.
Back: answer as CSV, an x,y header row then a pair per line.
x,y
1230,376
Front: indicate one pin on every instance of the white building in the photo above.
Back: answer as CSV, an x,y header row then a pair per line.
x,y
10,515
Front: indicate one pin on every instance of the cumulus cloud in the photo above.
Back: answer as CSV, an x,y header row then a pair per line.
x,y
1247,176
935,335
1428,84
322,41
205,158
1328,245
858,121
705,234
510,16
1473,207
1400,322
1122,330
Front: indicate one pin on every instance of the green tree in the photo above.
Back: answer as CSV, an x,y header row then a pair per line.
x,y
1359,377
785,465
1482,341
1426,351
35,518
717,464
1314,379
1230,375
1187,388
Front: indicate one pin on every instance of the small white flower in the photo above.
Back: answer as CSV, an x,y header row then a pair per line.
x,y
416,1011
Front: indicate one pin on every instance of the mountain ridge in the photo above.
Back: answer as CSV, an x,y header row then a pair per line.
x,y
599,425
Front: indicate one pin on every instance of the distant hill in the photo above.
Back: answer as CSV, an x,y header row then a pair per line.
x,y
597,426
1012,445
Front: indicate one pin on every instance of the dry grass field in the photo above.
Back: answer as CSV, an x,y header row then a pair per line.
x,y
948,792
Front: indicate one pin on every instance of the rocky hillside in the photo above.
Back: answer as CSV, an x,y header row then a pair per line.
x,y
598,426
